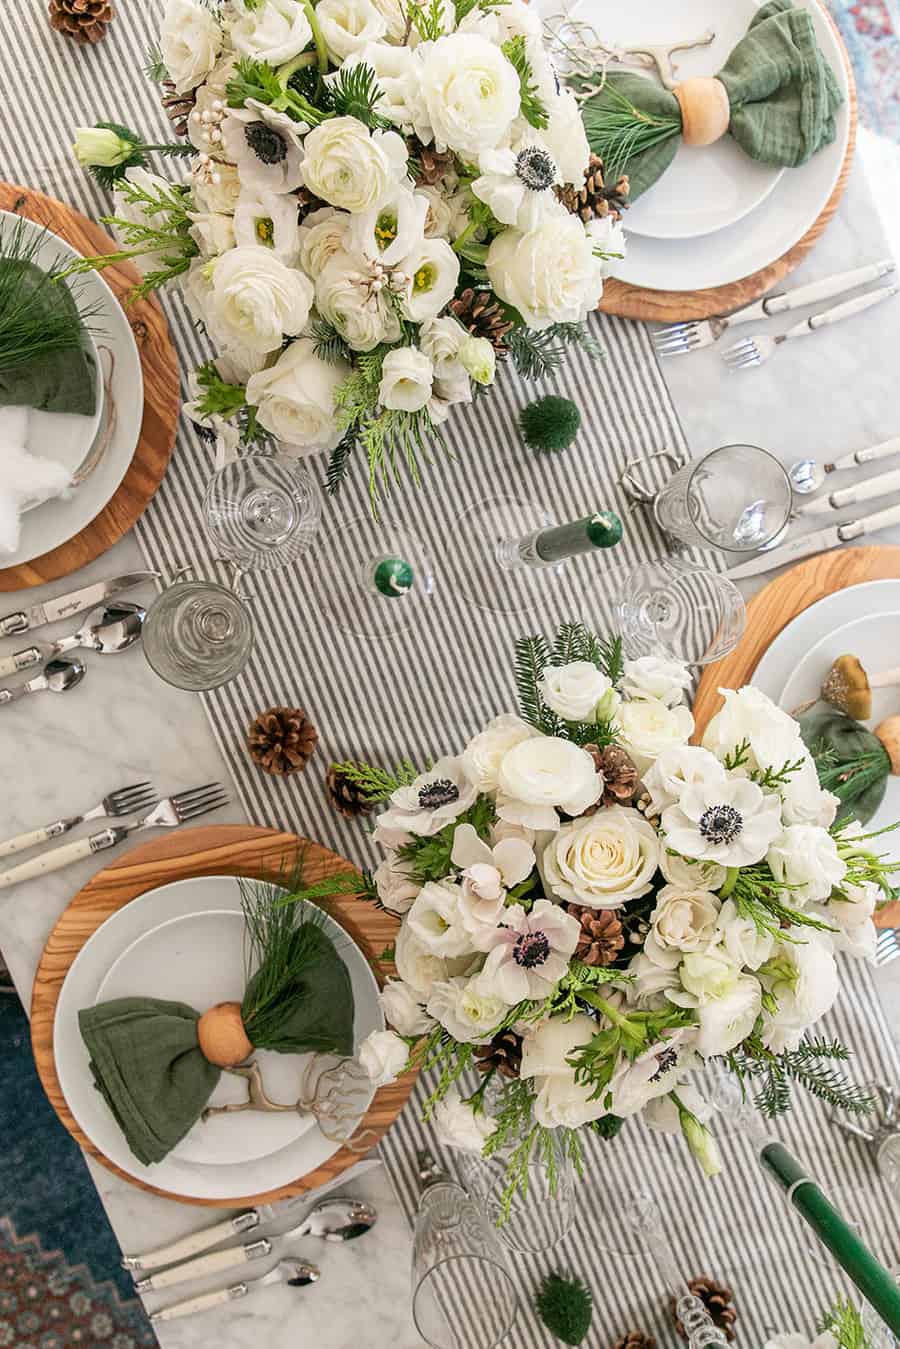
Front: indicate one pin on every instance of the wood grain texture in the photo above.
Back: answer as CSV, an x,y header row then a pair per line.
x,y
675,306
225,849
769,612
162,396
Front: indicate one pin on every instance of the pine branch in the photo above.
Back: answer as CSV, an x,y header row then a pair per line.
x,y
609,654
328,344
535,354
339,463
377,784
533,107
617,129
577,335
570,644
532,657
806,1065
355,92
259,81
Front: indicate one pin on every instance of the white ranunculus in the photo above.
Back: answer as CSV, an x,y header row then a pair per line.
x,y
543,773
749,715
97,146
602,861
561,1101
387,233
803,978
472,93
803,800
565,137
573,691
691,875
383,1055
348,26
136,214
256,301
805,857
351,167
216,188
648,726
269,219
727,1002
683,920
394,14
431,270
468,1009
322,235
406,379
346,297
675,769
656,677
742,940
550,275
479,359
275,31
458,1125
294,398
404,1011
435,918
212,232
652,983
731,822
395,884
485,752
431,801
266,145
420,967
189,41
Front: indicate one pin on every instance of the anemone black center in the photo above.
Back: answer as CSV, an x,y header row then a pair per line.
x,y
721,824
441,792
531,949
667,1059
266,143
535,168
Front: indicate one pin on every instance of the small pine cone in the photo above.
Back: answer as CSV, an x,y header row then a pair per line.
x,y
429,165
620,776
281,740
503,1053
635,1339
347,797
479,312
717,1298
594,198
178,107
601,939
84,21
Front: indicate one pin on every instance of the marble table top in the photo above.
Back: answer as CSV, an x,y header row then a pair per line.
x,y
826,395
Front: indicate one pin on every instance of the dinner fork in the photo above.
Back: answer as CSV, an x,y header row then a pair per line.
x,y
757,349
887,947
123,801
679,338
167,814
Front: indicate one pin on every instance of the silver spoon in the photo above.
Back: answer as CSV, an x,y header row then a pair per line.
x,y
113,628
295,1273
57,676
335,1220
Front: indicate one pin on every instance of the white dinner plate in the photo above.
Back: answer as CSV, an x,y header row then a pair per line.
x,y
707,189
67,438
184,942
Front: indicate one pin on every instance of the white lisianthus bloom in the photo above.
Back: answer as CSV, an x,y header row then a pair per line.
x,y
805,857
275,31
217,188
701,1142
653,1073
850,912
573,691
294,398
726,1000
395,884
406,380
604,860
488,872
561,1101
348,299
803,979
517,184
403,1009
136,213
458,1125
322,235
431,270
431,800
691,875
472,93
652,983
256,301
349,25
212,232
742,940
479,359
387,233
269,219
189,42
486,751
607,236
100,147
675,769
565,136
749,715
731,822
394,14
656,677
542,773
435,918
351,167
383,1055
468,1009
648,726
682,921
530,952
550,275
420,968
266,145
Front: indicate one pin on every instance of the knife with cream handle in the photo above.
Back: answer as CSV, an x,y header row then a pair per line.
x,y
884,450
880,486
819,542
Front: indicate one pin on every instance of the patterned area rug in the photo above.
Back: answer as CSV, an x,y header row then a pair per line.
x,y
61,1285
871,30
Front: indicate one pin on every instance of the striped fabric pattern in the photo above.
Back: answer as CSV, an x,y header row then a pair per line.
x,y
425,694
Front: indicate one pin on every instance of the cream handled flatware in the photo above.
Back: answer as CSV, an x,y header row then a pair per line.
x,y
168,814
819,542
295,1273
57,676
67,606
885,449
112,629
880,486
124,801
756,350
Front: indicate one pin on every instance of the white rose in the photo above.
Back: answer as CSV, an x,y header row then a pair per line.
x,y
431,269
212,232
351,167
294,398
486,751
803,979
256,301
805,857
656,677
675,769
745,945
472,93
436,920
479,360
458,1125
383,1055
467,1009
275,31
344,297
727,1001
420,967
573,691
269,219
652,983
217,189
565,137
189,41
683,920
550,275
348,25
406,376
604,860
403,1009
542,773
135,213
322,235
689,874
648,727
395,885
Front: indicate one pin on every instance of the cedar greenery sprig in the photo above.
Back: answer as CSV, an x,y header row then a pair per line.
x,y
427,19
377,784
429,858
258,80
464,7
533,107
39,325
218,398
846,1325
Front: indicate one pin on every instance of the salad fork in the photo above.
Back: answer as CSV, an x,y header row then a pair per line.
x,y
167,814
123,801
758,349
887,947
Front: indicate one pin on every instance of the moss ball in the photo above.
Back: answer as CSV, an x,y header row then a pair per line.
x,y
550,424
565,1306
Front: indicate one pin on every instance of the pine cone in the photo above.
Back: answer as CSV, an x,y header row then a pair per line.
x,y
717,1298
428,164
347,797
594,198
503,1053
178,107
620,775
307,202
601,939
635,1339
478,311
85,21
281,740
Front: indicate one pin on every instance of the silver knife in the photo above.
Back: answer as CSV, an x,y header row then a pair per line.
x,y
819,542
64,606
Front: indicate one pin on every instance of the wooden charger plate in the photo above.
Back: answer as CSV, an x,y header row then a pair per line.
x,y
162,396
225,850
769,612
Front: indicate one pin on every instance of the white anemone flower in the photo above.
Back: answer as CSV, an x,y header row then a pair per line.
x,y
270,219
487,874
517,184
530,953
731,822
430,801
266,146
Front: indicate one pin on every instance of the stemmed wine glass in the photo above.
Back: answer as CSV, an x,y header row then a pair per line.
x,y
677,609
375,582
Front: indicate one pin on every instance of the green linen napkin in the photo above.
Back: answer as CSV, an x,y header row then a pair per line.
x,y
783,96
51,381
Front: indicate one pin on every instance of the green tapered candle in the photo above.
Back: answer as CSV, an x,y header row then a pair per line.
x,y
871,1278
603,529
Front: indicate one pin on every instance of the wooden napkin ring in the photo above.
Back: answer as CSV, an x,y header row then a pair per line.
x,y
705,110
221,1035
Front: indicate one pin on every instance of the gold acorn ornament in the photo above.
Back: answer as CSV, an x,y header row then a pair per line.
x,y
84,21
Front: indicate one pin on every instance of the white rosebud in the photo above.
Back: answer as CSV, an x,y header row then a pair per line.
x,y
479,359
96,146
403,1009
349,25
294,398
648,726
384,1056
656,677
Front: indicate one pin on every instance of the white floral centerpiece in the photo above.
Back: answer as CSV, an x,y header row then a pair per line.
x,y
594,911
383,199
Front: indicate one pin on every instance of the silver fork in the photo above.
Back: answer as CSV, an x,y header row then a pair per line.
x,y
756,350
680,338
124,801
167,814
887,947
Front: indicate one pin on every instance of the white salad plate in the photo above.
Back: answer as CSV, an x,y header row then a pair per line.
x,y
68,438
185,942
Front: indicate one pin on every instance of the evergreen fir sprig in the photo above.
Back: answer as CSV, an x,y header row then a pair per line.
x,y
355,92
428,858
811,1065
328,344
339,463
259,81
155,66
532,656
427,19
537,354
377,784
533,107
41,324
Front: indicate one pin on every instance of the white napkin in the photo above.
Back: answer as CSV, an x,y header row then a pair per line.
x,y
24,478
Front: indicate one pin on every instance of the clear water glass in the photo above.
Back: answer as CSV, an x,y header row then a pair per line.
x,y
262,511
737,498
197,635
540,1214
677,609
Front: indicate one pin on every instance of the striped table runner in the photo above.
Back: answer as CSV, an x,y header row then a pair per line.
x,y
426,694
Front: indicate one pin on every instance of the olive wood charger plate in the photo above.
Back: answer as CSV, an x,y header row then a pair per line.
x,y
162,396
225,849
773,609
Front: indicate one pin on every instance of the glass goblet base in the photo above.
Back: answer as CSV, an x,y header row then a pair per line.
x,y
487,552
376,584
198,635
